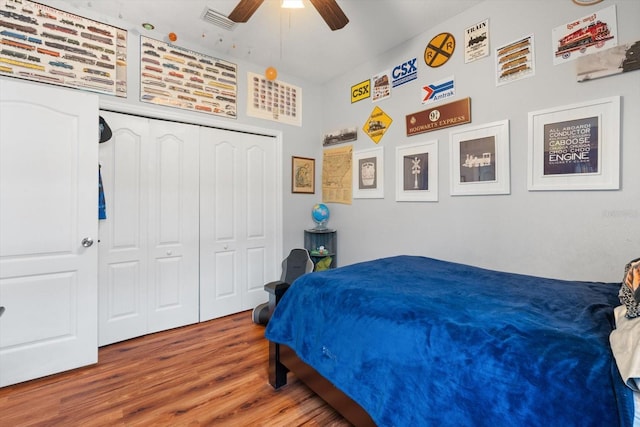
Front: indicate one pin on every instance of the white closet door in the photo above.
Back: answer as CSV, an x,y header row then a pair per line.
x,y
238,185
123,261
149,241
173,225
48,206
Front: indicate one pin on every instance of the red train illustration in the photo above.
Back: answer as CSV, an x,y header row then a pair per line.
x,y
584,37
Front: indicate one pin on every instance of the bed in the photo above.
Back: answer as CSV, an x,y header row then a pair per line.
x,y
415,341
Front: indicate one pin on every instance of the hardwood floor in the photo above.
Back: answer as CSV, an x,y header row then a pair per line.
x,y
211,373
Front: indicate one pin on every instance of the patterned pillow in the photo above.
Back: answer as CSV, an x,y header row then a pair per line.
x,y
630,290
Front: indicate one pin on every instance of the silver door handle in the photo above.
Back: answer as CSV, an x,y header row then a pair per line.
x,y
87,241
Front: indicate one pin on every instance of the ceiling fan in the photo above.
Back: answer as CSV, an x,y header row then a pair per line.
x,y
328,9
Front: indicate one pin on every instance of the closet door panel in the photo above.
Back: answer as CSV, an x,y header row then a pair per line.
x,y
173,225
123,264
220,221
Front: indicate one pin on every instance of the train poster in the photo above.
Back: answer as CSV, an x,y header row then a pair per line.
x,y
586,35
515,61
177,77
44,44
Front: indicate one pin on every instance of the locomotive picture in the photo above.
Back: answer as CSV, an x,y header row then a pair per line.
x,y
597,32
585,36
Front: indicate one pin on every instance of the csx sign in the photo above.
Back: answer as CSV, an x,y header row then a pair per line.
x,y
404,72
360,91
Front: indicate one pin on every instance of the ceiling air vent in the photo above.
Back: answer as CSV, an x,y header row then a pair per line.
x,y
218,19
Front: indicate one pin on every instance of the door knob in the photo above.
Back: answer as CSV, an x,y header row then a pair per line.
x,y
87,241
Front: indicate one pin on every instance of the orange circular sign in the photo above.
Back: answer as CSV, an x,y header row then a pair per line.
x,y
439,49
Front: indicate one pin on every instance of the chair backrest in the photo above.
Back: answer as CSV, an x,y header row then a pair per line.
x,y
295,265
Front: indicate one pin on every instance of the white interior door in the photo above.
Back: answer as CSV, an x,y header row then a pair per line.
x,y
48,205
238,220
149,241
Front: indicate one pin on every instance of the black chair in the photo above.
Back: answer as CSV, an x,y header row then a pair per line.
x,y
295,265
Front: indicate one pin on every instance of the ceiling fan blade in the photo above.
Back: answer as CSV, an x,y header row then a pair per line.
x,y
244,10
331,13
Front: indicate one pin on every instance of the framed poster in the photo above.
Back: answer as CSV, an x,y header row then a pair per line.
x,y
479,159
575,147
515,61
368,173
303,173
417,172
44,44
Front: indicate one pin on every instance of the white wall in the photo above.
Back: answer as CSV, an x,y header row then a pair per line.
x,y
585,235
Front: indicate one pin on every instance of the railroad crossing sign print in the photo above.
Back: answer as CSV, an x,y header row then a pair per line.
x,y
439,49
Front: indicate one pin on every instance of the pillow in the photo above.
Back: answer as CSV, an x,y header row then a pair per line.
x,y
323,264
630,290
625,345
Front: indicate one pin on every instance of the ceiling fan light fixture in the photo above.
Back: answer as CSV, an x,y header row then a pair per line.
x,y
292,4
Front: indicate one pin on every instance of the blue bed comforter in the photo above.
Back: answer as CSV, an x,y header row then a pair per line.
x,y
422,342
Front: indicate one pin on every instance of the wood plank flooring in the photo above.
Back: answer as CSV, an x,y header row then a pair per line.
x,y
209,374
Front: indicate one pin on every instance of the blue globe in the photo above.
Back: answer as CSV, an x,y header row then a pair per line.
x,y
320,215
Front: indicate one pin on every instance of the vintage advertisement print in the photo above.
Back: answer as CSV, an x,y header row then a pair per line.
x,y
52,46
177,77
438,91
476,41
368,173
585,35
515,61
381,86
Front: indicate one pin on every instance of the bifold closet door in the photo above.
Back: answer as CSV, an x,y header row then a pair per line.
x,y
148,259
238,184
48,226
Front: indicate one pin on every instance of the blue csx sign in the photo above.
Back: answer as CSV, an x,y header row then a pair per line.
x,y
404,72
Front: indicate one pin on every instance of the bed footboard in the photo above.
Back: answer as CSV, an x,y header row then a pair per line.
x,y
283,360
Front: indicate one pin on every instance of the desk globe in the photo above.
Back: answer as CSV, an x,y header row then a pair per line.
x,y
320,215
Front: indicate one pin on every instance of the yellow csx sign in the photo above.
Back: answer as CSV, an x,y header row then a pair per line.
x,y
360,91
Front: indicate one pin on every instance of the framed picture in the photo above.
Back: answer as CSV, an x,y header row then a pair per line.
x,y
368,173
575,147
479,160
417,172
303,172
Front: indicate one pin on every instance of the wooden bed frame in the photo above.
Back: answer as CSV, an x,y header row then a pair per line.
x,y
283,359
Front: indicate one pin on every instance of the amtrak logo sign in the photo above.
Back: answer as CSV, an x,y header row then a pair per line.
x,y
404,73
438,91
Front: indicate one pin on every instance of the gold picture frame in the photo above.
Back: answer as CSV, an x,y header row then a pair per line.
x,y
303,174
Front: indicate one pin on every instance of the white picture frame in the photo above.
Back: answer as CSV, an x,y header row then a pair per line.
x,y
368,173
575,147
479,160
413,184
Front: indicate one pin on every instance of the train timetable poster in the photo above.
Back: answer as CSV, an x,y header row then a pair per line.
x,y
49,45
589,34
274,100
178,77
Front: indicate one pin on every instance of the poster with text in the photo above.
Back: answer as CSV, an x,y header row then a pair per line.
x,y
381,86
476,41
571,147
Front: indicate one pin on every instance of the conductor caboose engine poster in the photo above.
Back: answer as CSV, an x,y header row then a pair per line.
x,y
589,34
